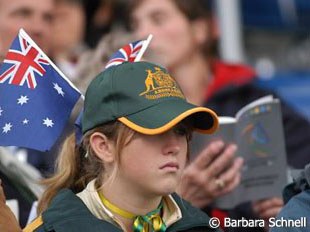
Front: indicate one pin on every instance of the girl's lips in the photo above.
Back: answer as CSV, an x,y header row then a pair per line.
x,y
170,165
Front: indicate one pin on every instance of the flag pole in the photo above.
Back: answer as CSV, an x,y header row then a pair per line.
x,y
144,47
28,38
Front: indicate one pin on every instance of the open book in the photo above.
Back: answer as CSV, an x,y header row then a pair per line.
x,y
258,132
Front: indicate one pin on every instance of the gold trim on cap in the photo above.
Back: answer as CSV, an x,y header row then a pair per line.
x,y
173,122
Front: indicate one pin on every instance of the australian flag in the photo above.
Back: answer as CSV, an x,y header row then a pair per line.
x,y
130,52
36,99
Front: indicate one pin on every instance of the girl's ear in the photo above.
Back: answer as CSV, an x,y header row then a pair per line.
x,y
103,147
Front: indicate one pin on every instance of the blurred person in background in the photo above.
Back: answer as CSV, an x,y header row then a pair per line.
x,y
18,178
34,16
184,36
67,37
102,16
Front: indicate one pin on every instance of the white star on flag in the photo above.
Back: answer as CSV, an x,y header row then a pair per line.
x,y
22,100
25,121
48,122
58,89
7,128
1,110
37,99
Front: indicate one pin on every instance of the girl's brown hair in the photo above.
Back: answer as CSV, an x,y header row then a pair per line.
x,y
75,169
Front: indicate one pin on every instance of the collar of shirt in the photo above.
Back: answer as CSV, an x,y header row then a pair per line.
x,y
90,197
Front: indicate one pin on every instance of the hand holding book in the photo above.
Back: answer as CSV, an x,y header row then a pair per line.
x,y
213,173
258,132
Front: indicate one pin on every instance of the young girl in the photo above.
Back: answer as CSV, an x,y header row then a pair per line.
x,y
136,128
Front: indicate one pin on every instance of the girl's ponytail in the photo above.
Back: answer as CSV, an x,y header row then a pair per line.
x,y
68,166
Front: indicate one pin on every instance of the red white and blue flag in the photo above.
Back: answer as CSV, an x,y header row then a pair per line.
x,y
129,53
36,99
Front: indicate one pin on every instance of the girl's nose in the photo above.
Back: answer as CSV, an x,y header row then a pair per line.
x,y
171,143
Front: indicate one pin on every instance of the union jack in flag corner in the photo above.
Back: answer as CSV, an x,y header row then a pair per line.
x,y
130,52
36,99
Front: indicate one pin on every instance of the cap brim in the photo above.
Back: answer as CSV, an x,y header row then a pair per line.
x,y
165,115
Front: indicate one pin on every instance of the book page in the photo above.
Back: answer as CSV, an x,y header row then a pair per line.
x,y
260,101
225,132
260,139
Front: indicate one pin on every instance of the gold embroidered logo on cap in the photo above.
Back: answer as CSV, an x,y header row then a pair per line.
x,y
160,84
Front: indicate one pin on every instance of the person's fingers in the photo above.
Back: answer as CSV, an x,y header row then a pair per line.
x,y
193,176
231,185
187,188
199,183
230,179
197,196
268,208
208,154
223,161
192,183
196,186
271,212
263,205
230,174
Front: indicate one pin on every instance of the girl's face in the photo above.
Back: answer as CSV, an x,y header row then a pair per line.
x,y
152,165
174,38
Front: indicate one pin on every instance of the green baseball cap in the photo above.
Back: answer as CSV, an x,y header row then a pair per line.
x,y
144,97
